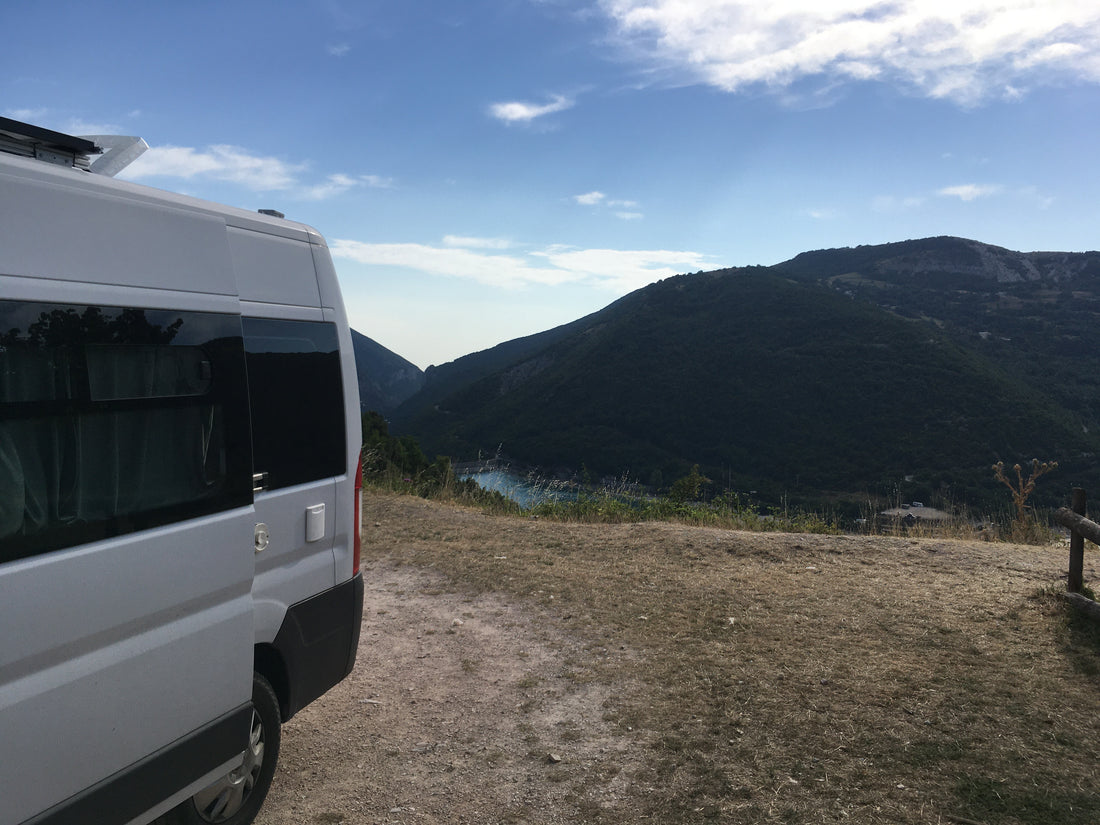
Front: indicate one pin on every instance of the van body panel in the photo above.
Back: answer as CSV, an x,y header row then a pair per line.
x,y
145,790
269,268
73,181
135,628
162,245
327,283
290,569
126,661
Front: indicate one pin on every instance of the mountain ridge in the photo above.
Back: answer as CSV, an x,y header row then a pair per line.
x,y
385,378
838,370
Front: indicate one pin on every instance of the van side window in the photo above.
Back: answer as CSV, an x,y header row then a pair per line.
x,y
116,419
297,398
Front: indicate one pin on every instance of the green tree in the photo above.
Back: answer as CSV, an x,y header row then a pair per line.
x,y
689,487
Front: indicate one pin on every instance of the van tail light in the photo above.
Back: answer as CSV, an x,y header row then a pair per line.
x,y
358,540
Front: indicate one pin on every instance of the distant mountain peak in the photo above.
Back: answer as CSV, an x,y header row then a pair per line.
x,y
963,258
385,378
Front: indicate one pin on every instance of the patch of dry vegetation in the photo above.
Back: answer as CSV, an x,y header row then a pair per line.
x,y
794,678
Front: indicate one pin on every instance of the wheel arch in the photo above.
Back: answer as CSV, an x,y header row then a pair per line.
x,y
269,663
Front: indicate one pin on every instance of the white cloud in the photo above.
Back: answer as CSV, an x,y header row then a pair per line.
x,y
620,271
476,243
376,181
222,163
625,210
455,262
338,49
623,270
86,127
962,50
970,191
340,183
333,185
236,165
589,198
522,112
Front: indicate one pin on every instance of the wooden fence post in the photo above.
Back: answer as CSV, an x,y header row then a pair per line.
x,y
1076,547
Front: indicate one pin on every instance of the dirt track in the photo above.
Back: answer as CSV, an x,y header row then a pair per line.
x,y
455,713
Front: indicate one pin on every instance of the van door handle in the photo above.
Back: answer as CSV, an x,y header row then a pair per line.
x,y
315,522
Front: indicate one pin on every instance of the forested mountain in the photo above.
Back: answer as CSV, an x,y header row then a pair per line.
x,y
385,379
840,372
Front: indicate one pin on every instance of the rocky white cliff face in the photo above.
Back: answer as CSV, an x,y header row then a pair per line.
x,y
992,263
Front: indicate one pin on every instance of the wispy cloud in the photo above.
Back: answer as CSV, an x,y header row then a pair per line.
x,y
617,270
970,191
590,198
623,270
376,181
334,185
963,50
234,164
338,49
90,127
469,242
1039,199
524,112
222,163
509,271
624,209
340,183
72,126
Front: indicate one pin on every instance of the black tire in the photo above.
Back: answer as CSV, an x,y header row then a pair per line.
x,y
235,799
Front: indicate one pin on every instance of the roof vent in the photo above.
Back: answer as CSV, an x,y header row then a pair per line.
x,y
275,213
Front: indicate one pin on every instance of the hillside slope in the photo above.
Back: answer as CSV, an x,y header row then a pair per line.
x,y
385,378
1036,314
770,383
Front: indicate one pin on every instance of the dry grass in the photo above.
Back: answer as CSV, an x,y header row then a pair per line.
x,y
797,678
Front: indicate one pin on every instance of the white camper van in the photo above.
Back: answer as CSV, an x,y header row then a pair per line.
x,y
179,491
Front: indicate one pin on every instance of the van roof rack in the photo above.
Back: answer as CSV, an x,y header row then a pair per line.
x,y
115,152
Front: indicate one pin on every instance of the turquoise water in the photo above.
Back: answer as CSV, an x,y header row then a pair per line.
x,y
524,491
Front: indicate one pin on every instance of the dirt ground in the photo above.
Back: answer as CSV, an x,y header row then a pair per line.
x,y
440,720
469,709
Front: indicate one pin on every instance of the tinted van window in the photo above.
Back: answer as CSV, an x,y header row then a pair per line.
x,y
116,419
297,398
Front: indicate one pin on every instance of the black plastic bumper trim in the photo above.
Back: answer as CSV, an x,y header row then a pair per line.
x,y
318,641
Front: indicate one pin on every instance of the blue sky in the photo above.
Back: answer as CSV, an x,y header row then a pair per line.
x,y
486,169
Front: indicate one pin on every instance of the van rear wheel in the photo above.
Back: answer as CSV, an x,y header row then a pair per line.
x,y
235,799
